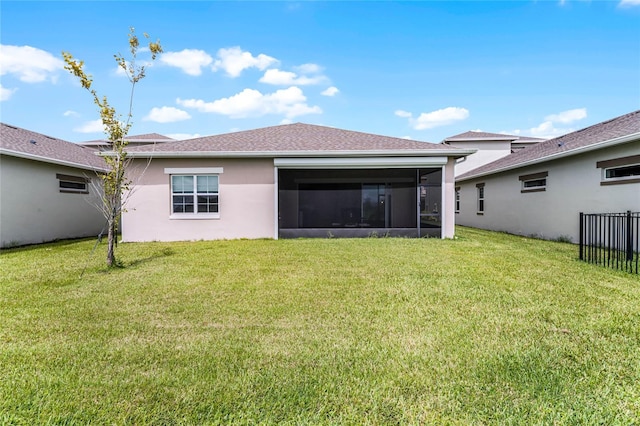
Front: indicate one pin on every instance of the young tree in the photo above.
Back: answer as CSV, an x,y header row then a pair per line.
x,y
114,181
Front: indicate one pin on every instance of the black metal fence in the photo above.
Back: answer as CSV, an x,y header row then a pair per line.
x,y
611,240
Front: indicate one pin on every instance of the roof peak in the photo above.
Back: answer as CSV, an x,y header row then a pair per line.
x,y
608,130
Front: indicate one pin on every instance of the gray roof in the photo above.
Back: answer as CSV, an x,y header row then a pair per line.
x,y
296,138
572,143
486,136
23,143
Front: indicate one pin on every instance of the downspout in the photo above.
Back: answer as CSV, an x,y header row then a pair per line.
x,y
276,208
443,205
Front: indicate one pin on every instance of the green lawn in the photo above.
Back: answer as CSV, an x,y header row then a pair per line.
x,y
485,329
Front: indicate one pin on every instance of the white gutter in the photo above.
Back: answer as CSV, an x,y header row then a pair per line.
x,y
271,154
558,155
28,156
358,162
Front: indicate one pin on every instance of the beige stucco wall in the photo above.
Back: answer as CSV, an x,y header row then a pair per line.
x,y
246,194
33,210
487,151
247,202
573,186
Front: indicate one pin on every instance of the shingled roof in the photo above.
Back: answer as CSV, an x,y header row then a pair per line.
x,y
472,135
23,143
617,130
295,139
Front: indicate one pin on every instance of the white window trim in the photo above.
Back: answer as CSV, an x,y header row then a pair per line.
x,y
619,179
194,171
535,188
75,180
533,177
616,163
480,187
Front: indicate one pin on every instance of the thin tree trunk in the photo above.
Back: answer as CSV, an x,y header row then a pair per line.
x,y
111,254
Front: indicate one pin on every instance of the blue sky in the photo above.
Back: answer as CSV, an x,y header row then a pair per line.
x,y
422,70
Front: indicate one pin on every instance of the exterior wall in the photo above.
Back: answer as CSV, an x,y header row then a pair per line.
x,y
33,210
488,151
448,195
573,186
246,194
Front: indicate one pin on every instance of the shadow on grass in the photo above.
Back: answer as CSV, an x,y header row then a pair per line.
x,y
49,244
165,252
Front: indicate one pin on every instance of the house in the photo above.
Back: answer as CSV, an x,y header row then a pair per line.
x,y
135,140
489,146
46,190
294,180
541,190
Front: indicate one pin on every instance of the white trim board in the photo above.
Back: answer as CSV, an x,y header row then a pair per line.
x,y
359,163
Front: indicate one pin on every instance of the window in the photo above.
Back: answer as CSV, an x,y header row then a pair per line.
x,y
194,192
620,170
458,199
72,184
480,189
534,182
194,195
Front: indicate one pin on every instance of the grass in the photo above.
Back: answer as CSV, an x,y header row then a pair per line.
x,y
485,329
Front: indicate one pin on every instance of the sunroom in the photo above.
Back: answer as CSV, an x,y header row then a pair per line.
x,y
359,202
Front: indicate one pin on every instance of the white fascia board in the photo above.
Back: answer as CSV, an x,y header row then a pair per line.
x,y
361,162
599,145
281,154
42,159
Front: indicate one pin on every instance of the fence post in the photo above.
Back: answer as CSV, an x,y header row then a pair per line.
x,y
629,237
581,235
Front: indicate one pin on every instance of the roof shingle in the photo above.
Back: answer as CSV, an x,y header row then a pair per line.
x,y
480,136
624,125
292,138
25,143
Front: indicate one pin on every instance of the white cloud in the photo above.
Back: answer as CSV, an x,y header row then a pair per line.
x,y
94,126
234,60
569,116
190,61
548,129
289,102
629,3
309,69
429,120
5,94
288,78
403,114
183,136
286,121
29,64
166,115
330,91
71,113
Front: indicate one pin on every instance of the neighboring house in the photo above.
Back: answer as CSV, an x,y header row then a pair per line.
x,y
489,146
46,190
541,190
135,140
294,180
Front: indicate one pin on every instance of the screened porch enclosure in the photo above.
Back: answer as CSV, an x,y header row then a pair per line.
x,y
359,203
